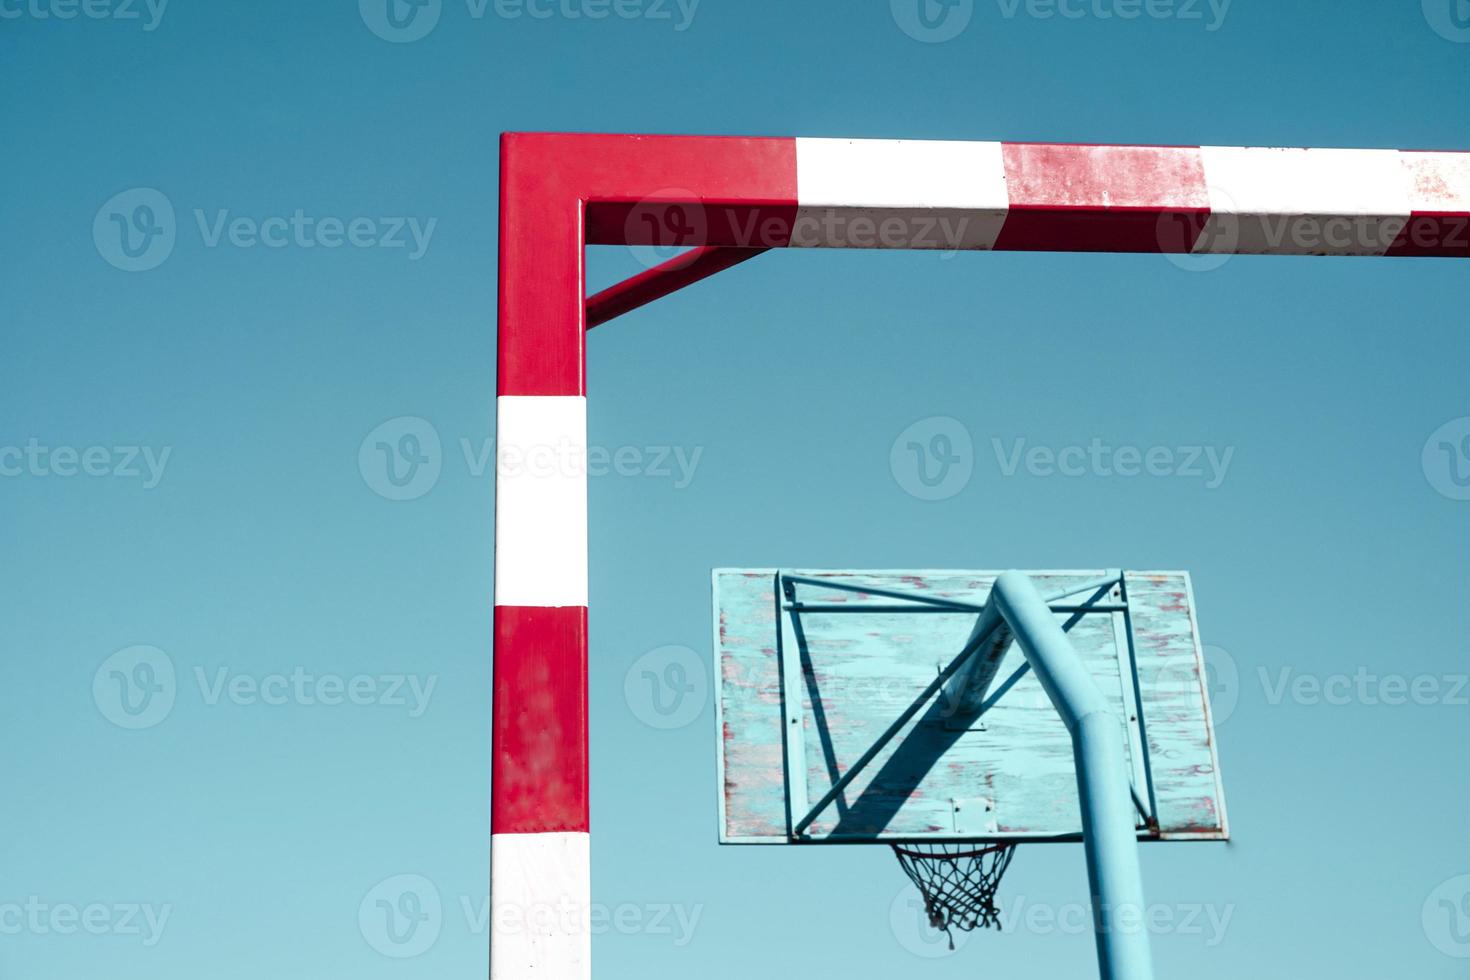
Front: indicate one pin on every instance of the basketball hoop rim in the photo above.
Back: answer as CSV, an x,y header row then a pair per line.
x,y
951,855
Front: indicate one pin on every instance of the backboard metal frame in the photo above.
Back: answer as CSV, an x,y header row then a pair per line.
x,y
1175,685
967,829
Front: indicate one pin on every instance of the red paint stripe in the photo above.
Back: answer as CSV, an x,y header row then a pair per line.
x,y
1077,198
690,219
682,190
1434,233
541,337
550,183
539,737
629,190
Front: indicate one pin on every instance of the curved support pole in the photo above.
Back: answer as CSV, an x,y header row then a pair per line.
x,y
966,693
1103,782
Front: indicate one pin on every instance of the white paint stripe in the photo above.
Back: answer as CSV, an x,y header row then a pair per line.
x,y
1303,202
540,907
541,500
1438,181
899,194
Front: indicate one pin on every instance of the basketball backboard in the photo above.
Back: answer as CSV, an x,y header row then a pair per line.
x,y
815,666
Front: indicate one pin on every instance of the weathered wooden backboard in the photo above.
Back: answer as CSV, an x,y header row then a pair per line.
x,y
810,678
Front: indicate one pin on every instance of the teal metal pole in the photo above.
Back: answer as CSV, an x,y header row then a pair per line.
x,y
965,692
1103,781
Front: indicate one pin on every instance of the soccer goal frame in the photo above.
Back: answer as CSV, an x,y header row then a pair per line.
x,y
731,198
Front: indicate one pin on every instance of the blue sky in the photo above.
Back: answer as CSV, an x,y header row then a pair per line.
x,y
192,500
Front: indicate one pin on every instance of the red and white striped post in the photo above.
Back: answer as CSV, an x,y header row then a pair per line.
x,y
562,192
558,192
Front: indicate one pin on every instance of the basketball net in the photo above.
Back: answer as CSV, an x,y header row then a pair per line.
x,y
958,882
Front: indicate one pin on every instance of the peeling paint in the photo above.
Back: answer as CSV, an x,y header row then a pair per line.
x,y
867,667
